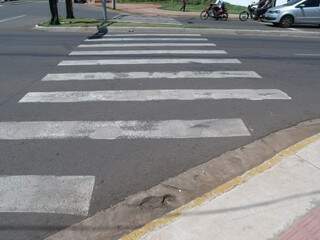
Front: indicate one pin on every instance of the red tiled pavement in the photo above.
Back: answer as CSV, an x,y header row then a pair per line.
x,y
307,228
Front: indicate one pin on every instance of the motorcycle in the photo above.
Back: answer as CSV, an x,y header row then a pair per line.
x,y
254,12
214,11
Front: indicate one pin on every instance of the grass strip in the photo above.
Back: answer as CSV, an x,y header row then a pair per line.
x,y
75,22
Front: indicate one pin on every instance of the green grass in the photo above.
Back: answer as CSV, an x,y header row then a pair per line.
x,y
197,6
76,22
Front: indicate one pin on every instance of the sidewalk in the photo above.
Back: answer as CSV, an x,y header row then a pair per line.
x,y
279,199
151,9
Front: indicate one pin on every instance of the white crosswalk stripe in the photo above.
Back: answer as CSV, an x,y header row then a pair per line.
x,y
146,52
149,61
154,34
149,75
123,45
46,194
154,95
11,18
143,39
123,129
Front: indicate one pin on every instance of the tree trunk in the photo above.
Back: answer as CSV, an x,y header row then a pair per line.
x,y
54,12
69,9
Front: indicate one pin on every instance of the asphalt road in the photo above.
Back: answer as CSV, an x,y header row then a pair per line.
x,y
125,166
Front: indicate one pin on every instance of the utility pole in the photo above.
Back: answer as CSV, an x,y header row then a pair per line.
x,y
113,4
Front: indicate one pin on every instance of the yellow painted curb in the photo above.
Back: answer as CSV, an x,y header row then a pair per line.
x,y
170,217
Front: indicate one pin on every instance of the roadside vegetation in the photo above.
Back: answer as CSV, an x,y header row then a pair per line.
x,y
74,22
192,6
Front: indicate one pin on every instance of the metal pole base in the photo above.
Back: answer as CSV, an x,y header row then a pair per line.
x,y
102,29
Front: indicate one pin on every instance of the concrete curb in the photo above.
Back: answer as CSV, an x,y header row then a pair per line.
x,y
142,208
67,29
278,33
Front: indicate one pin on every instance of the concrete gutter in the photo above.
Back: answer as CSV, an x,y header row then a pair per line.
x,y
141,208
67,29
249,32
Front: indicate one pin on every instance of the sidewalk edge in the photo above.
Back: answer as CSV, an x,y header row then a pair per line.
x,y
89,29
175,214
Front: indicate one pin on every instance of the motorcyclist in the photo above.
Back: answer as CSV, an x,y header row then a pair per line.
x,y
219,3
262,8
221,8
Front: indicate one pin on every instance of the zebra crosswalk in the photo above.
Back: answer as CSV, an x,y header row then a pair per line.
x,y
115,52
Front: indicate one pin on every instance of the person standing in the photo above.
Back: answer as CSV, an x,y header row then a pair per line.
x,y
184,4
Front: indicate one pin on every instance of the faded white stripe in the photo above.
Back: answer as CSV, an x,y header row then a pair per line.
x,y
146,45
308,54
155,95
45,194
154,34
149,61
146,52
11,18
149,75
124,129
143,39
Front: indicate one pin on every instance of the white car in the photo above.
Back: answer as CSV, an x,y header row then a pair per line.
x,y
294,12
